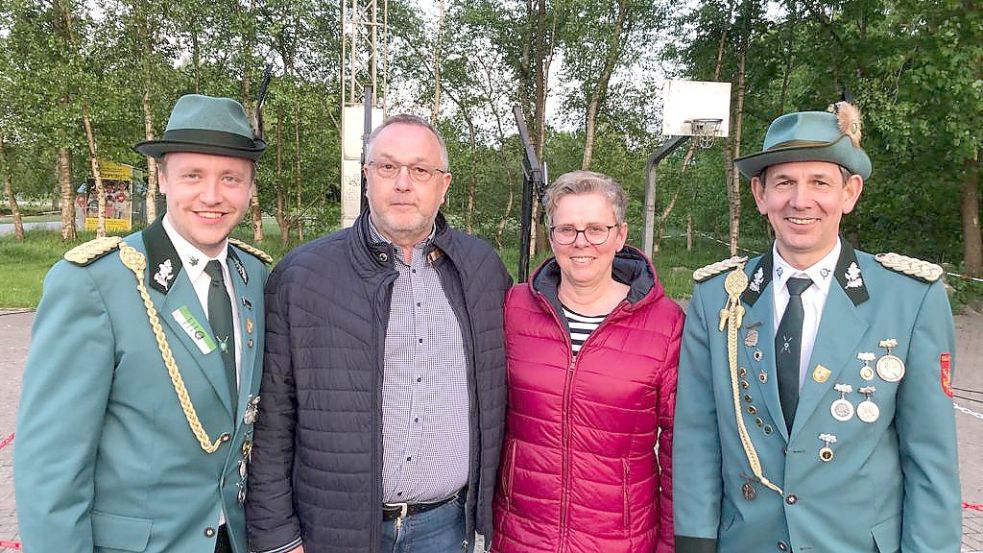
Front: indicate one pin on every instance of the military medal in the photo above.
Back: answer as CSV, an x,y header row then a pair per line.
x,y
868,411
866,372
748,491
890,367
252,410
241,495
826,452
751,338
842,409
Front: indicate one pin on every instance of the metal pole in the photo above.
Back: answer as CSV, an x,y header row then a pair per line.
x,y
648,232
366,131
531,184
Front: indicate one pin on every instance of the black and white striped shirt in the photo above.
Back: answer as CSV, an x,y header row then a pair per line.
x,y
581,327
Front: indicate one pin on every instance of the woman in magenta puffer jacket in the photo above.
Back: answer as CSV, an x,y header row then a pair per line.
x,y
593,349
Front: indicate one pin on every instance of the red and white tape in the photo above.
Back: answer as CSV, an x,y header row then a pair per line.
x,y
6,441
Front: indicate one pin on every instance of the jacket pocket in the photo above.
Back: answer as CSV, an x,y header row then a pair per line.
x,y
887,535
626,510
508,474
120,532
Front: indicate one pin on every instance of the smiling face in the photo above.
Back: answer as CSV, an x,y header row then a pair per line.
x,y
582,263
207,196
402,209
805,201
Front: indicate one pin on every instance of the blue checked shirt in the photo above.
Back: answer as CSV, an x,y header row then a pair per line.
x,y
425,397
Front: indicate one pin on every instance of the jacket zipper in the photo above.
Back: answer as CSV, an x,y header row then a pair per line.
x,y
565,415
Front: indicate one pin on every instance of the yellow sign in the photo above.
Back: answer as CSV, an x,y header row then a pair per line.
x,y
117,185
110,170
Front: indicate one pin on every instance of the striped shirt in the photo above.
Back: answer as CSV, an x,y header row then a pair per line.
x,y
425,395
581,327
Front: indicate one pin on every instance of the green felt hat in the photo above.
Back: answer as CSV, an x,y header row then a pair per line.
x,y
811,136
206,125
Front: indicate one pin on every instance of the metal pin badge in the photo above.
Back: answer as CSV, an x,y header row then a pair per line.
x,y
868,411
826,452
890,367
820,374
866,371
842,409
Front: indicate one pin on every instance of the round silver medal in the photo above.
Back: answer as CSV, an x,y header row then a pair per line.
x,y
826,454
890,368
842,410
868,411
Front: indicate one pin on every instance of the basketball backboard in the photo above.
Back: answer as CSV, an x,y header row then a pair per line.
x,y
696,108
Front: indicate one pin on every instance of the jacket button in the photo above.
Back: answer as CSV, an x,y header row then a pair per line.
x,y
209,532
383,257
782,546
791,499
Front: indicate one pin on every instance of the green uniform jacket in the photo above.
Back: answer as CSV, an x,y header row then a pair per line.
x,y
105,459
891,485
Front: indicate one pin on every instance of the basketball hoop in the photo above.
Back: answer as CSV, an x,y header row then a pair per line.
x,y
705,131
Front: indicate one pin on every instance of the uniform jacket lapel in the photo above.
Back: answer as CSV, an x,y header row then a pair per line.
x,y
840,331
179,293
759,301
245,300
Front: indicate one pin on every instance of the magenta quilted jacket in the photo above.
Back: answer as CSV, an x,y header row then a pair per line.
x,y
587,459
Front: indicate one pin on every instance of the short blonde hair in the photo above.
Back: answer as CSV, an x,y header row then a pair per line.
x,y
586,182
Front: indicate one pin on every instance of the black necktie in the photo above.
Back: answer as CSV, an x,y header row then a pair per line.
x,y
788,348
220,317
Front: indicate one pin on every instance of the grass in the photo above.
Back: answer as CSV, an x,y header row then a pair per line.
x,y
24,264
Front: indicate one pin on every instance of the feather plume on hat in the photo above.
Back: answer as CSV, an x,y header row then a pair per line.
x,y
848,117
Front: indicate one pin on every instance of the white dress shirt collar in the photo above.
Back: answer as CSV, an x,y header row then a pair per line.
x,y
192,259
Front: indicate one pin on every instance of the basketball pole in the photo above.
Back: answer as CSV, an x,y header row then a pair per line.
x,y
648,226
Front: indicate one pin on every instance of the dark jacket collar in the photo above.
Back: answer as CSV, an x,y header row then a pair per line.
x,y
163,260
370,255
847,274
630,267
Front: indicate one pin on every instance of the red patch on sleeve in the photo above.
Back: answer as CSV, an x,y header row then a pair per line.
x,y
946,376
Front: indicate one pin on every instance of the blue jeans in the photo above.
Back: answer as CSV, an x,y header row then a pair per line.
x,y
439,530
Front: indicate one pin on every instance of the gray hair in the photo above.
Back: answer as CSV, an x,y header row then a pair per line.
x,y
408,119
586,182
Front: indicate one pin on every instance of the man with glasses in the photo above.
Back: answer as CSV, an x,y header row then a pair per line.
x,y
384,400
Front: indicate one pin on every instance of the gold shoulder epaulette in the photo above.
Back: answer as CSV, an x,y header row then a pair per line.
x,y
92,250
713,269
915,268
253,250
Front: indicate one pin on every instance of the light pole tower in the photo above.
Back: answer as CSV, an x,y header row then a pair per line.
x,y
364,79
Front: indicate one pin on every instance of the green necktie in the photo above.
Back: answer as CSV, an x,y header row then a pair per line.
x,y
220,317
788,345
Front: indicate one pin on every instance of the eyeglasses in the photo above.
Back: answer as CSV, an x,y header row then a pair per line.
x,y
595,234
418,173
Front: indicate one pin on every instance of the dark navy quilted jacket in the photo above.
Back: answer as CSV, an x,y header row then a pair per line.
x,y
316,470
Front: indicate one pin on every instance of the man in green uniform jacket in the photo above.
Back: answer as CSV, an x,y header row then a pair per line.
x,y
140,389
813,411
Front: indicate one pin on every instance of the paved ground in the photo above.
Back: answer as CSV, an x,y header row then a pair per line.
x,y
8,228
15,334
